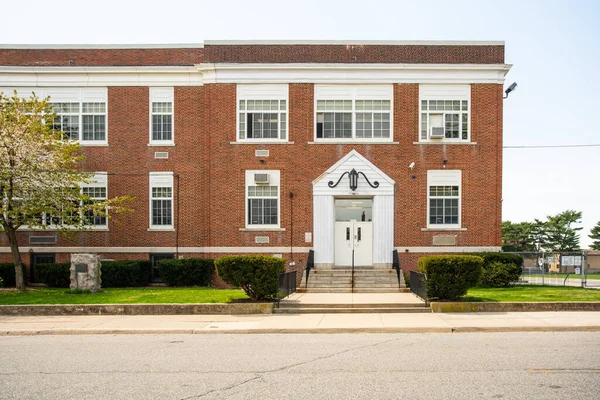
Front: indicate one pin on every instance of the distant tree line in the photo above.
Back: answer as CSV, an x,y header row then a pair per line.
x,y
556,233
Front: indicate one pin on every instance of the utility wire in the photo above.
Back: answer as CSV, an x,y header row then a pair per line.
x,y
551,146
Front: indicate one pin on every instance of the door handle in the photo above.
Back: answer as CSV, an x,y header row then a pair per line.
x,y
347,234
359,234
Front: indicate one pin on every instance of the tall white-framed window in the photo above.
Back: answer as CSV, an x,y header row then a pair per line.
x,y
81,113
162,122
444,193
362,113
161,200
96,190
262,199
444,113
262,112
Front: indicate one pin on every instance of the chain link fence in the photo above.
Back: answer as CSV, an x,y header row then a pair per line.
x,y
578,269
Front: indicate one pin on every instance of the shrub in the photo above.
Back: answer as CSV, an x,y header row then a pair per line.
x,y
1,282
500,269
123,273
450,276
7,273
56,275
186,272
145,272
257,275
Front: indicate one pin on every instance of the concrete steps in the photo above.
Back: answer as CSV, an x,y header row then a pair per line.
x,y
339,280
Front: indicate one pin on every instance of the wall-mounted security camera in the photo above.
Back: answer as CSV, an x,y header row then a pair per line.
x,y
412,165
511,88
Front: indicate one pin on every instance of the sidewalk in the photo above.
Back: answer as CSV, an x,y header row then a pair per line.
x,y
302,323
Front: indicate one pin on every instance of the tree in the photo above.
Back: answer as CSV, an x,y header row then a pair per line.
x,y
595,235
518,236
40,175
559,234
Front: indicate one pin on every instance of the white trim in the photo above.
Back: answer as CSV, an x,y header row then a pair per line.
x,y
447,249
354,141
451,177
274,180
161,179
253,249
445,92
276,92
260,142
357,42
328,73
262,229
442,142
354,153
443,229
99,76
103,46
162,95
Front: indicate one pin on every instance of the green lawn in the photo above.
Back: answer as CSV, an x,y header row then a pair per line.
x,y
532,294
122,296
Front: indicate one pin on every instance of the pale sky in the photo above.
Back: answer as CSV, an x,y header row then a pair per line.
x,y
554,47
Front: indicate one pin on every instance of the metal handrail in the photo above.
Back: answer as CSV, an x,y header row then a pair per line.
x,y
396,264
418,285
310,264
286,285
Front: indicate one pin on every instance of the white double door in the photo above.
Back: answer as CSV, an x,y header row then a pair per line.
x,y
353,236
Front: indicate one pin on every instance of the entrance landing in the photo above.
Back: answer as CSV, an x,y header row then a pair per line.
x,y
305,303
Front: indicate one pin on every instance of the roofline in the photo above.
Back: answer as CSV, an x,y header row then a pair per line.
x,y
356,42
251,43
100,46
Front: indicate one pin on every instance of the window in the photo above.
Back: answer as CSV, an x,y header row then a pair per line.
x,y
262,199
447,109
444,194
361,112
262,112
81,113
154,259
161,116
161,200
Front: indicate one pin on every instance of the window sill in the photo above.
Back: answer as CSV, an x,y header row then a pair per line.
x,y
161,144
261,142
262,229
443,229
161,229
443,142
348,142
55,229
83,144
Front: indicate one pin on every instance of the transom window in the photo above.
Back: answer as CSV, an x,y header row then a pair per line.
x,y
162,115
81,121
262,119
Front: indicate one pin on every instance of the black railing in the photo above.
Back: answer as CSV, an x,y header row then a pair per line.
x,y
287,284
418,285
310,264
396,265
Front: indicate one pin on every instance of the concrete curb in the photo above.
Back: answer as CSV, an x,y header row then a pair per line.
x,y
420,330
461,307
138,309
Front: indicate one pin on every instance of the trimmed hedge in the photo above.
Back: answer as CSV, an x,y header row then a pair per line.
x,y
257,275
7,273
54,275
186,272
122,273
450,276
500,269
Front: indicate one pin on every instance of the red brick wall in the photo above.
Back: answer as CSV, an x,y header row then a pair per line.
x,y
447,54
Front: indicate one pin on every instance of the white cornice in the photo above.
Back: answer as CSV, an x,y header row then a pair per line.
x,y
352,73
99,76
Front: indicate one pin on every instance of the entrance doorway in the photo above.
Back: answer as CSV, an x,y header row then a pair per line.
x,y
353,232
37,259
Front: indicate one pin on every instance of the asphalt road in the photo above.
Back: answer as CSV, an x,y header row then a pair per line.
x,y
355,366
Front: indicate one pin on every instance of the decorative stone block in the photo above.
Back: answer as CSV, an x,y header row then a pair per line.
x,y
85,272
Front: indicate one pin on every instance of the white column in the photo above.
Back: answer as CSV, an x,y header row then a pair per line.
x,y
383,230
323,226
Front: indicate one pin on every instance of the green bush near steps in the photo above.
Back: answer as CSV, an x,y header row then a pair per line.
x,y
7,273
258,275
500,269
187,271
449,277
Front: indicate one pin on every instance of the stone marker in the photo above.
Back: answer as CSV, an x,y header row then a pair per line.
x,y
85,272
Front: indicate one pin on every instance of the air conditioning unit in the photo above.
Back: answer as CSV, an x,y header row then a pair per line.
x,y
261,178
437,132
